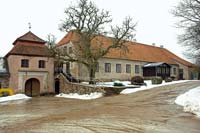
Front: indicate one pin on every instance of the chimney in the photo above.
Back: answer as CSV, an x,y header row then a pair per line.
x,y
161,46
134,40
153,44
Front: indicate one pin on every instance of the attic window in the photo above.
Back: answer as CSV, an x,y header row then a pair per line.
x,y
24,63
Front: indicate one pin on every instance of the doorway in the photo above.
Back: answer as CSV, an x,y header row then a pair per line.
x,y
57,86
32,87
181,74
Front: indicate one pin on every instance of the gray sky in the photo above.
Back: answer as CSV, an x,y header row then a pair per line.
x,y
155,22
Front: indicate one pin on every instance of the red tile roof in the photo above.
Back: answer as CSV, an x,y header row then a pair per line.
x,y
67,38
29,37
136,51
29,44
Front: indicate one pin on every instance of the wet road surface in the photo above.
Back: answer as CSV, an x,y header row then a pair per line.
x,y
150,111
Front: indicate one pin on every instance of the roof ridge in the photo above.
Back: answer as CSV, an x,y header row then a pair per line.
x,y
108,37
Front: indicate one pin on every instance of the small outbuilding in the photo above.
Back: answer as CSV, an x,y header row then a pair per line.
x,y
31,66
159,69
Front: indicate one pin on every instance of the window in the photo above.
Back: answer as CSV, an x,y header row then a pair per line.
x,y
118,68
128,68
181,71
167,70
137,69
41,64
158,70
107,67
24,63
163,70
174,71
71,65
70,50
64,49
97,67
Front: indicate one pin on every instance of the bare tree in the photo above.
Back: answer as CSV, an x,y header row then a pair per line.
x,y
188,12
51,41
51,44
88,22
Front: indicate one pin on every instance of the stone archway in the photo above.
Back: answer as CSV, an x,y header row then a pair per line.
x,y
32,87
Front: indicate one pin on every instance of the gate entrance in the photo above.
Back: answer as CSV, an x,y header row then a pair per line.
x,y
32,87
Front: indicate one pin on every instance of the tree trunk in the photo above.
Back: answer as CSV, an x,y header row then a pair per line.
x,y
92,75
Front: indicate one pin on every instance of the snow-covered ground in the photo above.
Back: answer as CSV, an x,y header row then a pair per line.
x,y
14,97
83,97
132,90
190,101
110,84
149,85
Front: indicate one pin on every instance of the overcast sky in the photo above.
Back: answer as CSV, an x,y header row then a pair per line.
x,y
155,22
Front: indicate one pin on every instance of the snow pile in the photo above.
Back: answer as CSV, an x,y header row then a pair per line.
x,y
117,81
190,101
83,97
14,97
149,85
110,84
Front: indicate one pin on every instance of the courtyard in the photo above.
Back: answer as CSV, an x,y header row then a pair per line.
x,y
151,110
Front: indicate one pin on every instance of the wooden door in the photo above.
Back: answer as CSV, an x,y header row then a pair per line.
x,y
32,87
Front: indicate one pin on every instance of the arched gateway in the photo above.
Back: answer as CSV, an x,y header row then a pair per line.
x,y
32,87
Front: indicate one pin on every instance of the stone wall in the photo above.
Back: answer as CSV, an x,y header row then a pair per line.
x,y
68,87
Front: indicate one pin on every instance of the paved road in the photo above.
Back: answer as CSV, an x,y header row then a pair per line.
x,y
151,111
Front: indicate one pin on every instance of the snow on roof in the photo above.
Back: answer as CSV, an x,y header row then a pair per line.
x,y
154,64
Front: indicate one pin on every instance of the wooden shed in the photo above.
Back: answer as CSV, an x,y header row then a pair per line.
x,y
159,69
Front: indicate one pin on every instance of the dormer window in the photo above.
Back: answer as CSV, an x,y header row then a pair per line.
x,y
24,63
